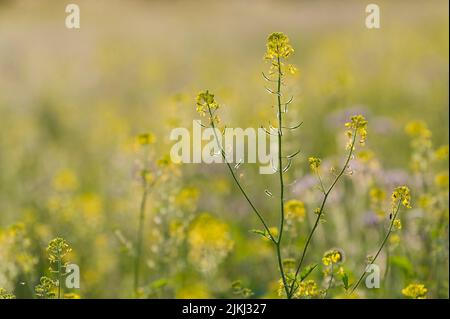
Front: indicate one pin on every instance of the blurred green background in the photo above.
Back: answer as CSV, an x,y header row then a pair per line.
x,y
72,102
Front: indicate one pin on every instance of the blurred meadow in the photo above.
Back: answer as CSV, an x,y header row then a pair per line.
x,y
73,101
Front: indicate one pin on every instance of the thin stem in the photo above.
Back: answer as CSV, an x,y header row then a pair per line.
x,y
325,197
379,249
280,173
237,181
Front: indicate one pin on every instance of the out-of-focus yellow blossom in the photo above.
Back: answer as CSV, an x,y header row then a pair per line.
x,y
295,210
65,180
415,291
314,163
358,126
145,139
441,153
377,195
71,295
194,290
417,129
91,207
176,229
292,69
401,194
187,198
394,239
397,224
441,179
332,256
366,155
209,242
425,200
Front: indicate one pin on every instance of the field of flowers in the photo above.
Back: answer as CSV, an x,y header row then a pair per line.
x,y
88,186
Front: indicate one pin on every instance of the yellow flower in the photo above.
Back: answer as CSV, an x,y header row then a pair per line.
x,y
209,242
206,102
441,153
145,139
357,124
401,194
377,195
187,198
65,180
332,256
295,209
415,291
314,163
417,129
394,239
397,224
278,46
307,289
441,179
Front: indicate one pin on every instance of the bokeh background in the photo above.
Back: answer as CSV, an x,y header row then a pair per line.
x,y
73,101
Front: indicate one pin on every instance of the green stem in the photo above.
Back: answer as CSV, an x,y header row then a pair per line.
x,y
255,210
379,249
322,206
280,174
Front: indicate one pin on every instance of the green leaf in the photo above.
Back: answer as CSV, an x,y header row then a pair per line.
x,y
344,279
308,269
159,283
260,232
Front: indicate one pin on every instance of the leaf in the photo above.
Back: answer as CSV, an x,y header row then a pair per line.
x,y
344,279
308,269
159,283
260,232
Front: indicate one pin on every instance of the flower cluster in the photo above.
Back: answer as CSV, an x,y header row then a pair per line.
x,y
145,139
278,46
6,295
332,256
57,249
295,210
314,163
209,242
358,126
205,102
401,195
415,291
308,289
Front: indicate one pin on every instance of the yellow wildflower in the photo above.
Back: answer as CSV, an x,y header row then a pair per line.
x,y
397,224
314,163
415,291
332,256
358,126
295,209
278,46
401,194
441,179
